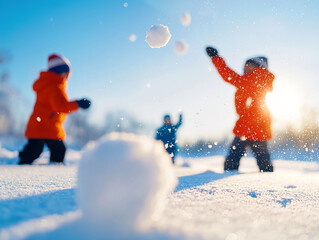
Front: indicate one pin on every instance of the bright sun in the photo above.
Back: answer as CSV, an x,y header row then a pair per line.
x,y
285,103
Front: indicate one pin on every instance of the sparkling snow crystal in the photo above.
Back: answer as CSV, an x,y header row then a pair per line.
x,y
158,36
123,183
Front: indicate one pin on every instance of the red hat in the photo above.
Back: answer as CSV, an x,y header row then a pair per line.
x,y
58,64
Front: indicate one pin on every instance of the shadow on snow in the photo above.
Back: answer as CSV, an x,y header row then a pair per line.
x,y
14,211
192,181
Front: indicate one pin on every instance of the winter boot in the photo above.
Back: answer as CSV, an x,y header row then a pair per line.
x,y
230,165
266,168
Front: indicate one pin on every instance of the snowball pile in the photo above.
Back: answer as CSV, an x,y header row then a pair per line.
x,y
158,36
186,19
181,47
123,181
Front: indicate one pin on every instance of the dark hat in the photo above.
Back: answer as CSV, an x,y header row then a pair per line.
x,y
258,61
167,116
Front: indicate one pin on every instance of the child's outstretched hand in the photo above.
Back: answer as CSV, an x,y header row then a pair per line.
x,y
83,103
211,52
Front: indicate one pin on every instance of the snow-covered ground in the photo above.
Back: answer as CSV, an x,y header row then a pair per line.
x,y
40,202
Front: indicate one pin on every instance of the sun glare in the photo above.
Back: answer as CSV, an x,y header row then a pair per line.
x,y
285,103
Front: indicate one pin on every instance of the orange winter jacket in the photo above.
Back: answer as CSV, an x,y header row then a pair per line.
x,y
50,108
254,122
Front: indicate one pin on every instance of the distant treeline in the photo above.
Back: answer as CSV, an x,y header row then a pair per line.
x,y
80,130
289,143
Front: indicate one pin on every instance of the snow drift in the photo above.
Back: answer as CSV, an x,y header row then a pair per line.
x,y
123,181
158,36
39,202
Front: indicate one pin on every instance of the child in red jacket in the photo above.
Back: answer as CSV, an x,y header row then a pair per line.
x,y
253,127
50,109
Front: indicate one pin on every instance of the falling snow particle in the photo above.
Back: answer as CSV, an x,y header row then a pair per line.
x,y
148,85
158,36
210,146
181,47
38,119
125,4
186,19
132,38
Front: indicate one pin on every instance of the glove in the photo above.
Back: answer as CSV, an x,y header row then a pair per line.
x,y
211,52
83,103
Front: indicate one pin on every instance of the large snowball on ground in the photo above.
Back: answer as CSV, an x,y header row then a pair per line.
x,y
181,47
186,19
158,36
123,181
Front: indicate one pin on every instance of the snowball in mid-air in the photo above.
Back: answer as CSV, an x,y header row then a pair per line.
x,y
158,36
132,38
181,47
186,19
123,182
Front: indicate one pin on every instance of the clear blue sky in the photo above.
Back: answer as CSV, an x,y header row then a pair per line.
x,y
114,72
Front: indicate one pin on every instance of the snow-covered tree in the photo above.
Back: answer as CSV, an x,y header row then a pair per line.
x,y
7,119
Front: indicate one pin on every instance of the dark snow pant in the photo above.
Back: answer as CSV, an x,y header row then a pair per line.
x,y
238,149
172,152
34,148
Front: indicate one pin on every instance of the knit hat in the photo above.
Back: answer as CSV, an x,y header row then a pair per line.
x,y
58,64
258,61
166,116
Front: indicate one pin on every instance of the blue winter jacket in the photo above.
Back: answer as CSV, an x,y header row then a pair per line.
x,y
167,134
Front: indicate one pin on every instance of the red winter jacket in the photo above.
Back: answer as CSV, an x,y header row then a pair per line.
x,y
50,108
254,122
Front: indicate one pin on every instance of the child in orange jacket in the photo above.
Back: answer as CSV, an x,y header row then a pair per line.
x,y
253,127
50,109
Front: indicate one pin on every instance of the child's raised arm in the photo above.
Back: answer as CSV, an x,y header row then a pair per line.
x,y
225,72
